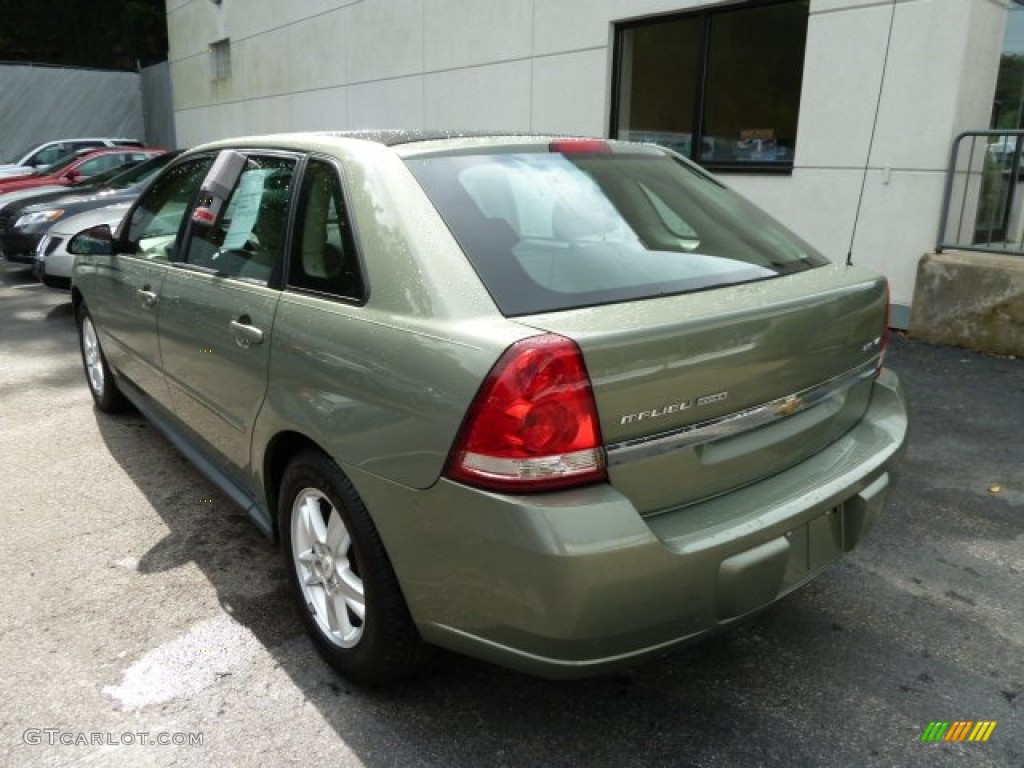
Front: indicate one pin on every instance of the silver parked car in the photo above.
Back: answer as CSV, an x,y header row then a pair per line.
x,y
53,262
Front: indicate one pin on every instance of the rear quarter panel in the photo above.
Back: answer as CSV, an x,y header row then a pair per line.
x,y
384,385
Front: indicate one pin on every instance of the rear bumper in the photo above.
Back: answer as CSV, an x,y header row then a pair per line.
x,y
575,583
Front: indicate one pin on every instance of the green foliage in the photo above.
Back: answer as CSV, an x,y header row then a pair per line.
x,y
994,180
1009,100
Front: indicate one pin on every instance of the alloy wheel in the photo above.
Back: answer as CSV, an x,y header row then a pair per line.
x,y
327,573
93,356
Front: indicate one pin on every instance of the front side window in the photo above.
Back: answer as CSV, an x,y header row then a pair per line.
x,y
547,231
154,223
60,165
247,240
721,87
50,155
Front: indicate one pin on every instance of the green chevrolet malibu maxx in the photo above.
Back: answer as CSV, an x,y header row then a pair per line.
x,y
557,403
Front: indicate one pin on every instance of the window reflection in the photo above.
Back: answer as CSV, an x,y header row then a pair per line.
x,y
721,87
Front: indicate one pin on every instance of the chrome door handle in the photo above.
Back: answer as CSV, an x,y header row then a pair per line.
x,y
245,334
148,296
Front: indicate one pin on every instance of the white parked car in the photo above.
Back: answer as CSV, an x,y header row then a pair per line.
x,y
51,152
53,262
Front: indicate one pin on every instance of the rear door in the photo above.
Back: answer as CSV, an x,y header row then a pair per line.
x,y
217,309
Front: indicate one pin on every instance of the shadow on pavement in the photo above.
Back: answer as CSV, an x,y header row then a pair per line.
x,y
37,330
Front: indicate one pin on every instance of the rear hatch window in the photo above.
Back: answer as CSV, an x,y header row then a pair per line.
x,y
549,231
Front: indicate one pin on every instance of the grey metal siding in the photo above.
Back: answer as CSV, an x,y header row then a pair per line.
x,y
40,103
158,105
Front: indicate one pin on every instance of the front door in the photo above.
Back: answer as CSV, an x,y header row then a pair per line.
x,y
217,311
131,286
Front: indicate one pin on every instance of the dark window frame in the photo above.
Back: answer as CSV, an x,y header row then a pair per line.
x,y
705,15
299,207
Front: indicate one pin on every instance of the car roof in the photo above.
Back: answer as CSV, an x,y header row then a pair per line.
x,y
85,154
410,142
83,138
394,137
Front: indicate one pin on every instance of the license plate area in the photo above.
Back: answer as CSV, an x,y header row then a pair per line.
x,y
813,547
754,578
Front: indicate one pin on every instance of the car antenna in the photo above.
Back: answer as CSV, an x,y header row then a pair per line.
x,y
871,141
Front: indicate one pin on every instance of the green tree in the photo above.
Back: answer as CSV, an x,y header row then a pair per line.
x,y
1008,111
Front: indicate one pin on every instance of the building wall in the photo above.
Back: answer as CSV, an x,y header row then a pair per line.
x,y
545,65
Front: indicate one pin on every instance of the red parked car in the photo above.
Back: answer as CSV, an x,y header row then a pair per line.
x,y
80,167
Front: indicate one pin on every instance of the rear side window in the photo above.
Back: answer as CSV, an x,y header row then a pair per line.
x,y
324,259
547,231
50,155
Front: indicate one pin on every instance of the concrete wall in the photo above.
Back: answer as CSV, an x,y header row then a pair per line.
x,y
38,104
940,80
545,65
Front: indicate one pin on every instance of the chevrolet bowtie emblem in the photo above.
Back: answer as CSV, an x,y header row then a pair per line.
x,y
789,406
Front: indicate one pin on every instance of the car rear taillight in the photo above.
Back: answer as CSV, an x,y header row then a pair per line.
x,y
533,425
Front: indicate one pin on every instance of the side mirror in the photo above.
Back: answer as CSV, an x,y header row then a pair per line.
x,y
96,241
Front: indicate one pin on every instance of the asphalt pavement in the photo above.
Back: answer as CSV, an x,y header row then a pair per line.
x,y
140,606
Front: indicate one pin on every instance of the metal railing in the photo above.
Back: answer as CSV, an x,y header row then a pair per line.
x,y
983,202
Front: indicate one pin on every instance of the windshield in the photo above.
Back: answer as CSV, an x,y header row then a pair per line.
x,y
121,178
59,166
547,231
100,179
124,176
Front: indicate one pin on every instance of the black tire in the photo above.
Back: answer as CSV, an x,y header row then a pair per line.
x,y
326,571
102,386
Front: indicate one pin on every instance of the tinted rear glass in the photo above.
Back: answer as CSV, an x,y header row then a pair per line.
x,y
547,231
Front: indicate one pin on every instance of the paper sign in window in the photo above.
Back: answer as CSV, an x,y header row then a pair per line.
x,y
245,207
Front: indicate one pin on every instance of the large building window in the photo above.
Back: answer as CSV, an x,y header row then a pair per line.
x,y
721,86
